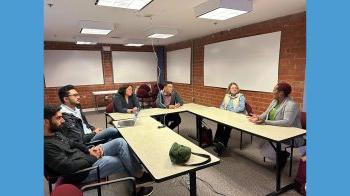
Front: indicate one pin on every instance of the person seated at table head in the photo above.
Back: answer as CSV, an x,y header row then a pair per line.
x,y
169,98
76,126
125,101
282,111
233,101
63,156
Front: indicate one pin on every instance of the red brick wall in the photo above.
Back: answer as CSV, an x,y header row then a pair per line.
x,y
291,65
87,99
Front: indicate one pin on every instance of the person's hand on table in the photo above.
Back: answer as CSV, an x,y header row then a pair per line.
x,y
97,130
177,105
171,106
129,110
255,119
134,109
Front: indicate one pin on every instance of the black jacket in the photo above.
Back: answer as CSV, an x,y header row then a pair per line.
x,y
63,156
73,128
84,119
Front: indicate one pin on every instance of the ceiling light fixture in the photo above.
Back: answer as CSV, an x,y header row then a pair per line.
x,y
134,42
127,4
95,27
161,33
223,9
85,43
85,40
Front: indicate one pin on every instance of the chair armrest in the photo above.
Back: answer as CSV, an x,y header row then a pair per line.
x,y
85,170
96,142
96,185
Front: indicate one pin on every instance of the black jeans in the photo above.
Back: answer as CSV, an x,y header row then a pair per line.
x,y
171,120
222,134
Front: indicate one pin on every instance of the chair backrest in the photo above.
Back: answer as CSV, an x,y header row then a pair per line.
x,y
110,107
66,190
155,89
142,93
303,119
249,109
144,87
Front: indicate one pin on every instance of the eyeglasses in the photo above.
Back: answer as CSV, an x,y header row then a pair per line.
x,y
59,117
74,95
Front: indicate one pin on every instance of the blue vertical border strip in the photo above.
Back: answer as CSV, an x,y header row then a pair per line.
x,y
21,98
328,64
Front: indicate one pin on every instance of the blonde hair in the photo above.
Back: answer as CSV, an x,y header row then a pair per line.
x,y
229,86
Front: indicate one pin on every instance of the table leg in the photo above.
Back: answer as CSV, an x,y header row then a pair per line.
x,y
278,166
193,185
278,170
291,158
96,104
199,129
106,116
241,140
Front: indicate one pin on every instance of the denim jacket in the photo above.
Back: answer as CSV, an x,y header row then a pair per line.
x,y
238,108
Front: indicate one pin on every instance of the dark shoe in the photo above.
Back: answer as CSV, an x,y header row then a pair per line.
x,y
145,191
283,158
146,177
219,148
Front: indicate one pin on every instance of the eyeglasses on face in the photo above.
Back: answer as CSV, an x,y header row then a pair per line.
x,y
74,95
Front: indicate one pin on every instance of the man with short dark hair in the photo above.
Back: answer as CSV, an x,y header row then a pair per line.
x,y
169,98
63,156
77,127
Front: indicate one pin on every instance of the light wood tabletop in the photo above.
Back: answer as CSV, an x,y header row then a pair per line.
x,y
157,111
240,121
152,144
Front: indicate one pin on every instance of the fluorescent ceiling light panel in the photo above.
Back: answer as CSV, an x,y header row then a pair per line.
x,y
223,9
160,36
95,31
222,14
161,33
134,42
127,4
85,40
85,43
95,27
135,45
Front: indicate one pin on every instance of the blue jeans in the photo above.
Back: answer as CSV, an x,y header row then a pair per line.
x,y
117,158
106,134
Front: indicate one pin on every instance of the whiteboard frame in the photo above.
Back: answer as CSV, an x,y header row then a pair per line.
x,y
184,58
130,70
87,55
264,53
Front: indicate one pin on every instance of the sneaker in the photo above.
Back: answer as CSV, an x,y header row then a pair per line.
x,y
146,177
145,191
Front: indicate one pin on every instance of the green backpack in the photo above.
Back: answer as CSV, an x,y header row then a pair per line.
x,y
180,154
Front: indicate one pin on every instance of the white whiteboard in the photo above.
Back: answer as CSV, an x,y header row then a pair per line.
x,y
179,66
76,67
251,62
134,67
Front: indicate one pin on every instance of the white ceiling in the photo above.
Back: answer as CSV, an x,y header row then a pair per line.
x,y
62,19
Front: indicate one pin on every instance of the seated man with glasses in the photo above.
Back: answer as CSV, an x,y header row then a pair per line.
x,y
63,156
76,127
